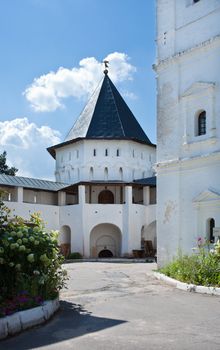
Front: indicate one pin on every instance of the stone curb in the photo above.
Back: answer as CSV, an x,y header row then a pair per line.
x,y
22,320
111,260
187,287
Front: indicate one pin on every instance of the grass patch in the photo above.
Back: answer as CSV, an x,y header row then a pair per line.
x,y
202,268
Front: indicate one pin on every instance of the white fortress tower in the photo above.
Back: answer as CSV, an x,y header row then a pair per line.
x,y
188,130
103,201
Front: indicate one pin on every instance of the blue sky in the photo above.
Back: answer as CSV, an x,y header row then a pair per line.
x,y
37,37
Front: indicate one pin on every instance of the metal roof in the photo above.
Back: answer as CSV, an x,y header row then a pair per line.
x,y
19,181
105,116
148,181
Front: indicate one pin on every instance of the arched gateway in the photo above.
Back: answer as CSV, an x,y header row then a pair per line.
x,y
105,241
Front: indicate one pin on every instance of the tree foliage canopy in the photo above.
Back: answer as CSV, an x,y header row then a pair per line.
x,y
4,168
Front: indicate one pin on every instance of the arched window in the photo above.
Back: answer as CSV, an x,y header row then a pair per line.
x,y
106,174
106,197
106,152
121,174
211,225
91,173
118,152
202,123
94,152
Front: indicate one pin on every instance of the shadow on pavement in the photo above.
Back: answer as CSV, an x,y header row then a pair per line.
x,y
70,322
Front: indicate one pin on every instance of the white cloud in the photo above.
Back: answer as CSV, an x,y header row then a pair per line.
x,y
129,94
26,145
47,92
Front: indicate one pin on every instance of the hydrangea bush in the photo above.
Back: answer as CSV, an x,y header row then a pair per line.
x,y
30,260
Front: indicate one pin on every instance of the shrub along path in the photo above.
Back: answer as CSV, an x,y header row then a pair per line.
x,y
122,306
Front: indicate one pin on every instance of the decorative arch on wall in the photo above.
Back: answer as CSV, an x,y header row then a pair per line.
x,y
106,197
121,173
68,175
106,174
91,173
105,241
149,233
133,174
65,240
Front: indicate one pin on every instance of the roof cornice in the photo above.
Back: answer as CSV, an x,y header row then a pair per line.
x,y
161,64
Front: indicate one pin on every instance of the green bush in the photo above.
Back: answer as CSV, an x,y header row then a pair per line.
x,y
30,261
202,268
74,255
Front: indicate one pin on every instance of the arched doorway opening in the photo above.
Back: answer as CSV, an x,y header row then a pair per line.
x,y
105,241
149,233
65,240
105,253
106,197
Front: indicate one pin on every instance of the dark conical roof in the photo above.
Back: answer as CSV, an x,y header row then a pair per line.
x,y
107,115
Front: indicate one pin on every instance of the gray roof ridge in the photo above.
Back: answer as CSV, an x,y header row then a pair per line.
x,y
116,107
87,103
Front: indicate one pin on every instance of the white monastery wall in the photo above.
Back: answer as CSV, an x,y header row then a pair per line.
x,y
49,213
83,218
187,83
178,28
104,160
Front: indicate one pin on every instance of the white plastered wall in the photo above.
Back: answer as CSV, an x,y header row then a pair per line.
x,y
187,81
75,161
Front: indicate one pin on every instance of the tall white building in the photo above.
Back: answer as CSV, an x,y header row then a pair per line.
x,y
188,129
104,199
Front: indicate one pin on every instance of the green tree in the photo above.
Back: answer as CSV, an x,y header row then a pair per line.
x,y
4,168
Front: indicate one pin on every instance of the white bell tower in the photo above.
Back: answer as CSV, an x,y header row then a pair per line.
x,y
188,124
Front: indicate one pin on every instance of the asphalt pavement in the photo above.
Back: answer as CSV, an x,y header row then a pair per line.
x,y
112,306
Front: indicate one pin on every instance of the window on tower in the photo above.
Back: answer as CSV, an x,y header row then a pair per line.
x,y
202,123
195,1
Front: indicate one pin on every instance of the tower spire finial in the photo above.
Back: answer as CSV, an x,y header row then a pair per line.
x,y
106,63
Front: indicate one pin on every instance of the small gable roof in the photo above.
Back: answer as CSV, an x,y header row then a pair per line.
x,y
206,196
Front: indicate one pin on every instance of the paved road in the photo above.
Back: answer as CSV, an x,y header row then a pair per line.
x,y
111,306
